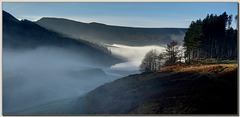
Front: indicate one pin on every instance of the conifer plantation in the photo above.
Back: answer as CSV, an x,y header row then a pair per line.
x,y
212,37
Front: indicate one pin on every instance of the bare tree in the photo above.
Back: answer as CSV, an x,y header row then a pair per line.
x,y
149,63
160,61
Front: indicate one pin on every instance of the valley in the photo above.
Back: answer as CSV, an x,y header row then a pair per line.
x,y
59,66
42,66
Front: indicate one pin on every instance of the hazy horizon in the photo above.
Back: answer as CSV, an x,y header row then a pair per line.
x,y
147,15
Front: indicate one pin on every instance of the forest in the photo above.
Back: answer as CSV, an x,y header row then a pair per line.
x,y
212,37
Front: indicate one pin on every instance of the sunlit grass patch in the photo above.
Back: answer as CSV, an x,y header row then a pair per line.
x,y
213,61
213,70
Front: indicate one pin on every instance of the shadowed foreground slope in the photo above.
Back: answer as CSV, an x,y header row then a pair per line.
x,y
210,89
204,89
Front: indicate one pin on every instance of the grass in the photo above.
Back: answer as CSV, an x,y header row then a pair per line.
x,y
200,68
213,61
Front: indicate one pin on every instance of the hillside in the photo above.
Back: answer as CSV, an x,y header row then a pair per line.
x,y
101,33
24,34
209,89
203,89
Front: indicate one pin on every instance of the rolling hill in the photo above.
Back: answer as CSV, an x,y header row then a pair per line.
x,y
106,34
24,34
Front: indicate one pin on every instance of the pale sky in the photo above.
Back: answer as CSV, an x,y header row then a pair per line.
x,y
154,15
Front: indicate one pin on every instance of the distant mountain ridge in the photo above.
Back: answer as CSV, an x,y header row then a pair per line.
x,y
102,33
24,34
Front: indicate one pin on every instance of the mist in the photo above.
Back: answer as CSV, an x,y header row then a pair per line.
x,y
45,74
39,76
132,54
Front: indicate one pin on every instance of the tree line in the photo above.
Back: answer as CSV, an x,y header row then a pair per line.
x,y
212,37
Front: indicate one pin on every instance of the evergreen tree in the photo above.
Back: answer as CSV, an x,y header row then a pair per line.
x,y
212,37
236,20
192,39
172,51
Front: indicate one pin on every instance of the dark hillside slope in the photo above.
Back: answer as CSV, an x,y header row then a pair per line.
x,y
20,35
102,33
181,92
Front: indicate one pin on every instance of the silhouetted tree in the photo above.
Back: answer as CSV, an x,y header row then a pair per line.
x,y
152,61
149,63
192,40
236,20
229,22
161,60
172,51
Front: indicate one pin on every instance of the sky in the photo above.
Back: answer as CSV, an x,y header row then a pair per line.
x,y
149,15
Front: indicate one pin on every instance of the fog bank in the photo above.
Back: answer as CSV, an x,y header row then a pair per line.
x,y
132,54
45,74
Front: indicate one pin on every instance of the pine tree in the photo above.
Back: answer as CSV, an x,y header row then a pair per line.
x,y
172,51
